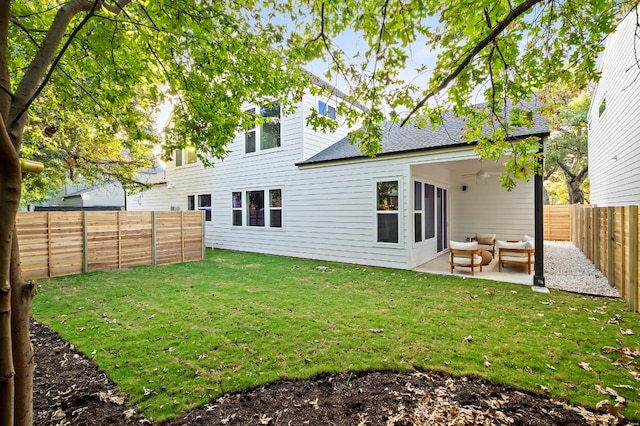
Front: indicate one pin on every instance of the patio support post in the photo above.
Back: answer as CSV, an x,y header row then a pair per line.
x,y
538,276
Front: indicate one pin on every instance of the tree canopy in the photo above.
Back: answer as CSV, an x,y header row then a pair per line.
x,y
566,156
499,50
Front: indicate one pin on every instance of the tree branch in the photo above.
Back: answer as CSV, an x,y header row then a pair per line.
x,y
501,26
5,79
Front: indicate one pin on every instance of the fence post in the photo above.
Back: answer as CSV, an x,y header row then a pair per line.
x,y
633,258
182,233
596,236
85,243
204,249
49,260
153,238
610,251
119,240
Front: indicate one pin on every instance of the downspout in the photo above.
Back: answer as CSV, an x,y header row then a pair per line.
x,y
538,276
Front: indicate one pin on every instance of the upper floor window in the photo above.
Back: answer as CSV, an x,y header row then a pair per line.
x,y
185,156
602,107
326,110
267,135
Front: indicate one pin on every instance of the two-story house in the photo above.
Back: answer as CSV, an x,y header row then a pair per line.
x,y
286,189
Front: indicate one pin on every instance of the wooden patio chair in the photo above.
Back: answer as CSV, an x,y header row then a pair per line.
x,y
465,254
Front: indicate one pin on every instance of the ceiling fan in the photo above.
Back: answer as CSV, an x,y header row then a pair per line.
x,y
482,174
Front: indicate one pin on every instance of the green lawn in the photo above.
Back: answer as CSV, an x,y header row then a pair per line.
x,y
175,337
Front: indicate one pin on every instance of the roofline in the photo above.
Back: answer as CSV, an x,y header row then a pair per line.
x,y
413,151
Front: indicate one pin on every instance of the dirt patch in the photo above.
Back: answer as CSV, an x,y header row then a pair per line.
x,y
70,390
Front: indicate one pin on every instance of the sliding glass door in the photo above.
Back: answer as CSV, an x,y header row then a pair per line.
x,y
430,222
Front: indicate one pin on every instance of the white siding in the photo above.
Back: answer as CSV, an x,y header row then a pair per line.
x,y
109,195
487,208
614,135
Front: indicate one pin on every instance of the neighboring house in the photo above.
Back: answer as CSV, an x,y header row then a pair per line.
x,y
108,196
614,127
85,197
286,189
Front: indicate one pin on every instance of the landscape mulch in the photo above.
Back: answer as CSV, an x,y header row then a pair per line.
x,y
70,390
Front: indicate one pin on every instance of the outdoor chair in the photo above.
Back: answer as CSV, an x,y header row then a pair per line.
x,y
516,253
465,254
486,242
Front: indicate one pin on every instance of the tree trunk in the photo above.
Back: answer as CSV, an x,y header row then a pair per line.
x,y
10,187
23,354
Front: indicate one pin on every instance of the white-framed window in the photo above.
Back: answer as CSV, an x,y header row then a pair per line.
x,y
326,109
266,136
236,208
602,107
388,211
259,208
185,156
417,211
204,204
275,208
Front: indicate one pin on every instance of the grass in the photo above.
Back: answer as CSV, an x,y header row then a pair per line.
x,y
175,337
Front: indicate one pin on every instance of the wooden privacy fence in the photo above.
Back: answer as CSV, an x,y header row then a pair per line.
x,y
557,222
64,243
609,237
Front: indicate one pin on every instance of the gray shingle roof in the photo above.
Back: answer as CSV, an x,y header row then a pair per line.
x,y
409,138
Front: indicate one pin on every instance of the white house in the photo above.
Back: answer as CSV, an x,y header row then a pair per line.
x,y
614,127
286,189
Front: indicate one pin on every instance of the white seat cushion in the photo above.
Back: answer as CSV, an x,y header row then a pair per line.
x,y
466,260
472,245
513,245
516,257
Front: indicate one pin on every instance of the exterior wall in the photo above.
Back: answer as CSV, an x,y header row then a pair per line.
x,y
316,141
614,134
487,208
108,195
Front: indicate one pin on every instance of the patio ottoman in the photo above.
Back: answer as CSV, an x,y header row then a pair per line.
x,y
486,257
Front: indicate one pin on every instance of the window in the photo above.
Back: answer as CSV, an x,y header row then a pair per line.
x,y
602,107
268,134
185,156
204,203
429,211
441,216
326,110
417,211
191,202
250,135
275,208
236,208
387,211
190,156
255,211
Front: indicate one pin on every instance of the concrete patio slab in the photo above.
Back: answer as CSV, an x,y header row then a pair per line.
x,y
510,273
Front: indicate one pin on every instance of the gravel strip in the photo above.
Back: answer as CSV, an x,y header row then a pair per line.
x,y
567,268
